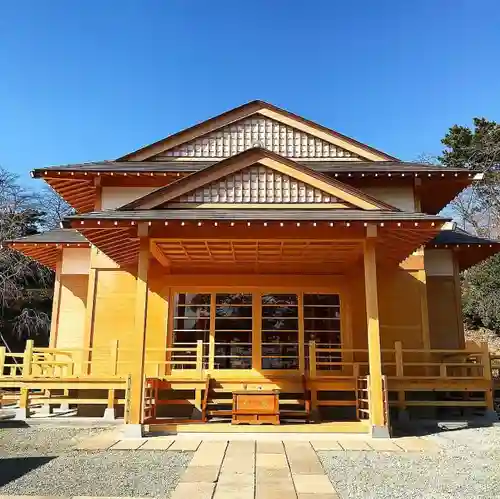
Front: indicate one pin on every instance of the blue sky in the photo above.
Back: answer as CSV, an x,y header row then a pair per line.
x,y
95,79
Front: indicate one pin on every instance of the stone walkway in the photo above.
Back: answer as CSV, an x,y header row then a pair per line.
x,y
257,469
227,467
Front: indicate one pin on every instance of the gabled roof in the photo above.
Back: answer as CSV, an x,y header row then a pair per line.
x,y
254,156
54,236
264,109
45,247
469,249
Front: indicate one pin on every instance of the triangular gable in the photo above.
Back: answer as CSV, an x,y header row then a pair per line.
x,y
256,186
257,131
258,124
325,190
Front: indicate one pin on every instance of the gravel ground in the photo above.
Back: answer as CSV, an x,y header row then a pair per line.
x,y
119,473
467,466
41,441
42,461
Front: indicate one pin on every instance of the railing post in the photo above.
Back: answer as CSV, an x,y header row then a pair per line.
x,y
199,358
2,360
442,371
114,357
398,357
487,374
398,354
312,359
28,358
23,411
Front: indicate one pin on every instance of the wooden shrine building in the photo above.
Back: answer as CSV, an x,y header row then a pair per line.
x,y
256,252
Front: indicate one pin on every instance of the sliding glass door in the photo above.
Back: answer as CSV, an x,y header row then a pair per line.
x,y
263,331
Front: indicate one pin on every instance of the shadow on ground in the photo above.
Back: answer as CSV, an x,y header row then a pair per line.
x,y
13,468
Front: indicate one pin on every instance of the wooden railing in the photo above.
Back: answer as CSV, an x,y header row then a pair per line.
x,y
46,375
336,362
470,363
474,362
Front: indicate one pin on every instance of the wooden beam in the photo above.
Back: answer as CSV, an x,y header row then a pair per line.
x,y
98,194
137,369
374,355
159,255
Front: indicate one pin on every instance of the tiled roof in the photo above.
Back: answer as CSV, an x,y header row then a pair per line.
x,y
254,214
194,166
458,236
54,236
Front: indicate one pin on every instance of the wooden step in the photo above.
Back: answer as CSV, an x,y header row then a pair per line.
x,y
285,414
220,412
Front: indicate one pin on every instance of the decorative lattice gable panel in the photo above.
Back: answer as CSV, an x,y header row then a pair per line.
x,y
257,131
257,184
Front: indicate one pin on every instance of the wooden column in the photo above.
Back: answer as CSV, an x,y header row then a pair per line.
x,y
256,332
141,302
56,302
377,416
301,335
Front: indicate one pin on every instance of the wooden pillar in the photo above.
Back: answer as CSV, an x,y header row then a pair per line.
x,y
56,302
301,336
86,357
377,417
257,363
424,309
211,340
141,301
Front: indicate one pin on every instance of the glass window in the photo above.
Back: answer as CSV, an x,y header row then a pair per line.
x,y
191,323
322,324
280,331
233,331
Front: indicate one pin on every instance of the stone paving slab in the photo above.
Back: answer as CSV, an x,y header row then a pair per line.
x,y
283,489
271,461
313,484
193,490
239,465
96,443
415,444
326,445
270,447
384,445
354,445
319,496
226,478
186,445
158,443
239,447
234,491
209,454
207,474
306,466
129,444
272,474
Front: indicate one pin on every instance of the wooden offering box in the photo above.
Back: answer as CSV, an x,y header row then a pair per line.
x,y
256,407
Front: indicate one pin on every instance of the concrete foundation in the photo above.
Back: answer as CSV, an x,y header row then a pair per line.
x,y
109,414
132,431
380,432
